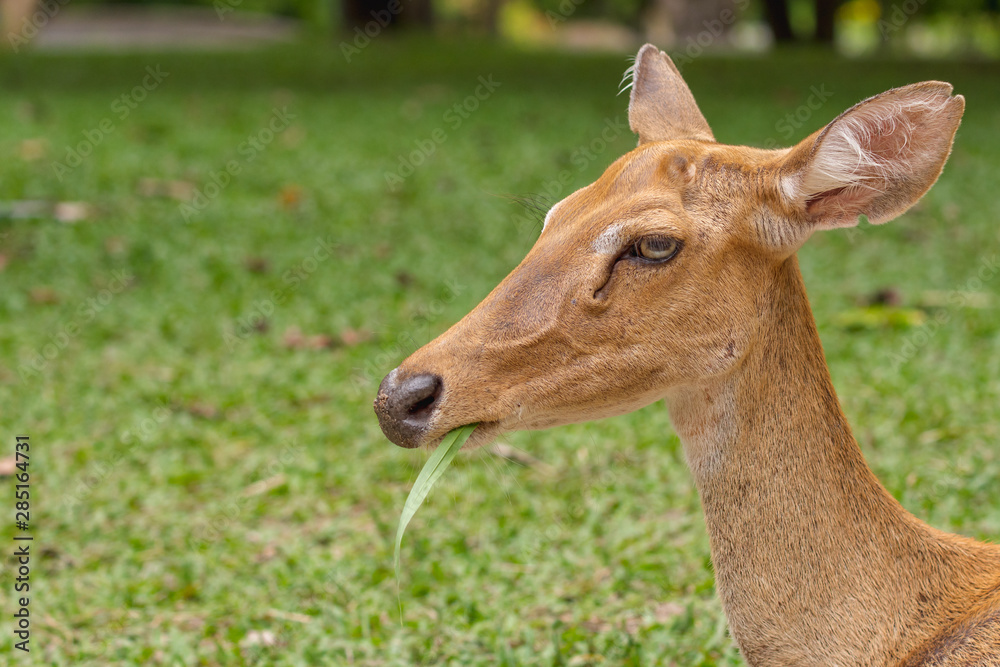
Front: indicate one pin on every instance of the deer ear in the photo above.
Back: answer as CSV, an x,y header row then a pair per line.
x,y
661,106
876,159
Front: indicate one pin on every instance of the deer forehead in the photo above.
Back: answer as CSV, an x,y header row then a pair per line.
x,y
654,189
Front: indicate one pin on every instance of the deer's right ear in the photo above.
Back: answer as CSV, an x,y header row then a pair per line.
x,y
876,159
661,106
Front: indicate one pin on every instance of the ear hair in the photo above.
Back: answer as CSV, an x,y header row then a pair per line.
x,y
877,159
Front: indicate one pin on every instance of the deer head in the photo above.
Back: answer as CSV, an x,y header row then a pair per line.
x,y
655,276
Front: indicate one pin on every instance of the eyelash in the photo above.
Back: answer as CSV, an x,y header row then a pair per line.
x,y
634,252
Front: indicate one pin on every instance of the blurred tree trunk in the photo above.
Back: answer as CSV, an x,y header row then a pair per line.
x,y
387,13
826,13
15,18
777,18
419,13
491,17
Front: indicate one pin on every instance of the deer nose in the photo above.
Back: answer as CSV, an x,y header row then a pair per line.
x,y
404,406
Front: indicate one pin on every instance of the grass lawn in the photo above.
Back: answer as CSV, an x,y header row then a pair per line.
x,y
195,360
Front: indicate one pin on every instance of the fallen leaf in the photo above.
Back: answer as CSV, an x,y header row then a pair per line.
x,y
289,616
666,611
352,337
115,245
203,410
264,485
887,296
293,136
267,553
294,339
404,278
71,211
8,466
180,190
171,189
45,295
259,638
290,196
257,264
33,149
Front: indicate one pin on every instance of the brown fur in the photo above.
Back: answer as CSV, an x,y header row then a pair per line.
x,y
816,564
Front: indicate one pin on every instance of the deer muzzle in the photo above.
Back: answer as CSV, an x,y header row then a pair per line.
x,y
404,406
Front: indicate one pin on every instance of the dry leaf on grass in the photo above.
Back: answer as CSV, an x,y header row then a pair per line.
x,y
203,410
115,245
33,149
171,189
290,196
264,485
257,264
294,339
259,638
71,211
352,337
8,466
44,295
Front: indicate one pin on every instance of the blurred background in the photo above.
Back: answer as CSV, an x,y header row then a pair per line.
x,y
853,27
223,221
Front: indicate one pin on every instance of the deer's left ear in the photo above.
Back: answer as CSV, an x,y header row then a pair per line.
x,y
876,159
661,106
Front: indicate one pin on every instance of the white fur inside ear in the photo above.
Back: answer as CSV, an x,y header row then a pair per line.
x,y
866,149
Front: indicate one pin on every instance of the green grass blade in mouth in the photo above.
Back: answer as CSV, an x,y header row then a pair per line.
x,y
428,477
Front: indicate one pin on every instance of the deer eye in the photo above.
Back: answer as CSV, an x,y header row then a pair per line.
x,y
655,248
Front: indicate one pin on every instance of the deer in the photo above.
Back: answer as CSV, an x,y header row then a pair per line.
x,y
674,277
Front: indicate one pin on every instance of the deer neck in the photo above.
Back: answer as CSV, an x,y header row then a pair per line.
x,y
811,553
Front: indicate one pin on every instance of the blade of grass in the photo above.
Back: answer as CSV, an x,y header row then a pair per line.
x,y
432,470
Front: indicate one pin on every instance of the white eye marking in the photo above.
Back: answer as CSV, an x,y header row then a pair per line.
x,y
610,240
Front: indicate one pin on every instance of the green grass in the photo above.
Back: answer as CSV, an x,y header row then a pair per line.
x,y
197,483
